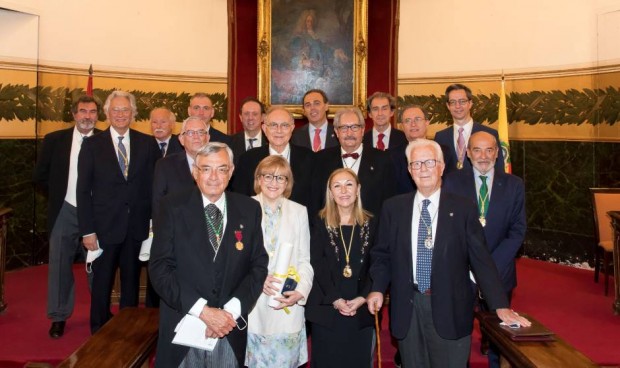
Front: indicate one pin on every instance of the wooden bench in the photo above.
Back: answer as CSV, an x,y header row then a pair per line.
x,y
551,354
126,341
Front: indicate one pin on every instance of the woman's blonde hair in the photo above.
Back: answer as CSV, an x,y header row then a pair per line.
x,y
330,213
271,164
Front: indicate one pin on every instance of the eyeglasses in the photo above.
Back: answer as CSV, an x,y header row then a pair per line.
x,y
353,128
461,102
416,120
121,110
275,126
191,133
417,165
208,170
280,179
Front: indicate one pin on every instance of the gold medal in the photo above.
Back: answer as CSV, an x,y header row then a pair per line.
x,y
459,165
483,221
347,271
239,245
428,243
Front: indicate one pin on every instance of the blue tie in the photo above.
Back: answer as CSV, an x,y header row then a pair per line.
x,y
425,255
162,147
123,160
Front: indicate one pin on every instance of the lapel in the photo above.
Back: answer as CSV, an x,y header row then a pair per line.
x,y
135,151
498,192
182,168
406,219
445,219
451,141
330,137
66,143
192,214
367,169
111,153
235,223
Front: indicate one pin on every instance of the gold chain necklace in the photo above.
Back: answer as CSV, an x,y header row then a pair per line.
x,y
347,272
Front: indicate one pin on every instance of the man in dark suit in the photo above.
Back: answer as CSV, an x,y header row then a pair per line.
x,y
500,199
374,168
115,179
454,138
426,244
56,172
208,261
162,123
278,128
251,114
317,134
201,105
381,107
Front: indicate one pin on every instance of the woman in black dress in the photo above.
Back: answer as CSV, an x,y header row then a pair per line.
x,y
342,332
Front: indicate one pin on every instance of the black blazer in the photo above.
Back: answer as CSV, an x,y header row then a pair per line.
x,y
180,261
173,145
397,138
301,137
108,204
445,138
217,136
505,222
302,164
328,276
404,182
238,144
51,172
459,245
376,174
172,174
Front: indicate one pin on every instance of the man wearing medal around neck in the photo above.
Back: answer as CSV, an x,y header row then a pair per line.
x,y
502,213
432,303
216,277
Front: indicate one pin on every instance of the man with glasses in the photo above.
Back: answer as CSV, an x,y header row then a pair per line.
x,y
381,107
278,128
251,114
207,262
373,167
317,134
114,186
200,105
426,244
454,138
162,122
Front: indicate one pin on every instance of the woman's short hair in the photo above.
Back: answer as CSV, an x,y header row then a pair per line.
x,y
330,213
272,164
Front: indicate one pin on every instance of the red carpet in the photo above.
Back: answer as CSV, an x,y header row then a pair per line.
x,y
564,299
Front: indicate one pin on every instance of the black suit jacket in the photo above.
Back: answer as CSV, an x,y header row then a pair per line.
x,y
173,145
397,138
301,137
180,259
301,161
217,136
505,221
445,138
51,172
108,204
238,144
172,174
376,174
459,245
404,182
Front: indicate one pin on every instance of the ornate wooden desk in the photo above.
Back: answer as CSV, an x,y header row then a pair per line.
x,y
615,223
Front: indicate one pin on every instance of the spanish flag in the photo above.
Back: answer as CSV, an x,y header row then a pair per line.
x,y
89,85
502,129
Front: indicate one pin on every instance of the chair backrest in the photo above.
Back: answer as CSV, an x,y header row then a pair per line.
x,y
604,200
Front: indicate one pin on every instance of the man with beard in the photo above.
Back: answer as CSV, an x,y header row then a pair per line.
x,y
56,173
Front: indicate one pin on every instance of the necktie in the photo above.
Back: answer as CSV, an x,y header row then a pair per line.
x,y
214,225
353,155
460,147
483,197
316,143
162,147
380,144
251,143
425,255
123,160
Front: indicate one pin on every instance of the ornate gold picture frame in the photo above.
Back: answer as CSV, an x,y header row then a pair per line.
x,y
305,44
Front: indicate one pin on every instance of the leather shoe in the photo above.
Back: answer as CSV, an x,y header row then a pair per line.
x,y
57,329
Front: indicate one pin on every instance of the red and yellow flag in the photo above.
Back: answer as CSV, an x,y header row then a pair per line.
x,y
502,129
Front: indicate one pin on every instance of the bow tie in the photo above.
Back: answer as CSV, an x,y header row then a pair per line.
x,y
353,155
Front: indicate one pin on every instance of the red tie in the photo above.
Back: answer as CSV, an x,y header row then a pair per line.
x,y
380,144
316,143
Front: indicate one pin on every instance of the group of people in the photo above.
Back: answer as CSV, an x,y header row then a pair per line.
x,y
256,233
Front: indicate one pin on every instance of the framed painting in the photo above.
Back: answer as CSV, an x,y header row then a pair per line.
x,y
308,44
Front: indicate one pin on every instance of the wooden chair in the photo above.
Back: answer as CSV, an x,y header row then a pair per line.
x,y
604,200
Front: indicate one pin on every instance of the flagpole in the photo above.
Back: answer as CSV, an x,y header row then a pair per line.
x,y
502,128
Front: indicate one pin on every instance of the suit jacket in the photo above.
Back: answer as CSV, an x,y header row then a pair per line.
x,y
301,137
181,259
328,276
376,174
404,182
173,145
397,138
505,220
301,161
51,172
217,136
445,138
108,204
172,174
238,144
459,245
